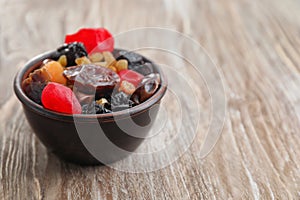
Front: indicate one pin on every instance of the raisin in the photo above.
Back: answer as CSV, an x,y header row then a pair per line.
x,y
72,51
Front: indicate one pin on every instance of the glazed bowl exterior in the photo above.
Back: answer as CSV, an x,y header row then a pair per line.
x,y
59,132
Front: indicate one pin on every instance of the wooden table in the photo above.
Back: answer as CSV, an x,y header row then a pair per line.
x,y
254,43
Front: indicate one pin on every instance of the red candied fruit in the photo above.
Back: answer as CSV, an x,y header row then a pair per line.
x,y
131,76
94,39
59,98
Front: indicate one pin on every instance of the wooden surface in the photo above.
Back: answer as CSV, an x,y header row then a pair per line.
x,y
255,44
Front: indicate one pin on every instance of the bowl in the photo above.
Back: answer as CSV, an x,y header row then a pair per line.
x,y
89,139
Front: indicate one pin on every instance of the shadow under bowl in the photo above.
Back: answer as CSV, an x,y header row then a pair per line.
x,y
89,139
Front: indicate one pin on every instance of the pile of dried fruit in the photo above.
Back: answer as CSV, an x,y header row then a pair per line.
x,y
89,76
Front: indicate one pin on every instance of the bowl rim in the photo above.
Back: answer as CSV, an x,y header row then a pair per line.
x,y
130,112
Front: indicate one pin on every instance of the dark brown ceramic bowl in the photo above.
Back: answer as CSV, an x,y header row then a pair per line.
x,y
88,139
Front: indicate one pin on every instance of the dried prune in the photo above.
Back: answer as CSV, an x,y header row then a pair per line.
x,y
120,101
92,78
84,98
131,57
146,89
72,51
144,69
94,108
35,83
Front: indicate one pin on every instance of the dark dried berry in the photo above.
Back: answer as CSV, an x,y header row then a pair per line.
x,y
72,51
144,69
34,90
131,57
88,109
35,83
120,101
94,108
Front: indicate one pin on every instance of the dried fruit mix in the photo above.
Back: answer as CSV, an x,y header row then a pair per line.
x,y
87,76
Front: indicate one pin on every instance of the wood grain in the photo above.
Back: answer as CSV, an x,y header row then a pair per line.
x,y
255,44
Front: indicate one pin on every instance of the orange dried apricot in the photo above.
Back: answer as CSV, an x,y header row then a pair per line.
x,y
55,70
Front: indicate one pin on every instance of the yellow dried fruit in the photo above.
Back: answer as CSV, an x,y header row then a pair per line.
x,y
96,57
102,101
127,87
83,60
112,68
109,58
102,64
63,60
55,70
121,64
